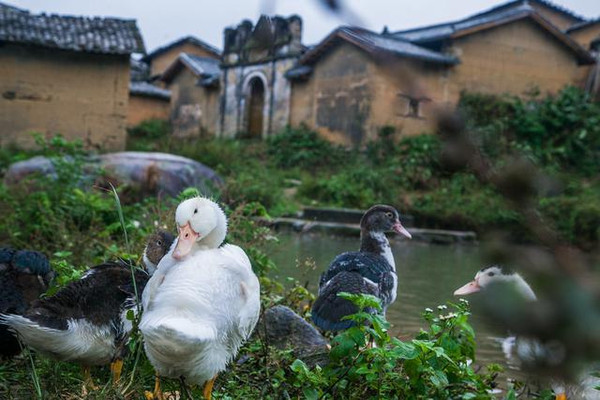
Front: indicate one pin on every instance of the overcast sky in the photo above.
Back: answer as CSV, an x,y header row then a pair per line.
x,y
164,21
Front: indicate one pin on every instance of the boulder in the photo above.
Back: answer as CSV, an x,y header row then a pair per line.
x,y
145,173
283,328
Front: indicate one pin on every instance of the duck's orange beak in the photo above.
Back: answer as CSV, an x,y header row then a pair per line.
x,y
186,239
471,287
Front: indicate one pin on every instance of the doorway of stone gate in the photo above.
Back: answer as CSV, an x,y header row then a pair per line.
x,y
255,108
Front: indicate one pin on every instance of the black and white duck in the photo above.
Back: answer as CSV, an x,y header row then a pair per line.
x,y
502,284
371,270
24,276
85,322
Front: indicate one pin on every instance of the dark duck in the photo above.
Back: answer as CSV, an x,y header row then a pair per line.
x,y
371,270
85,322
24,276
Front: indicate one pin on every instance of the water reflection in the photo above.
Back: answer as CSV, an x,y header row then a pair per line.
x,y
427,277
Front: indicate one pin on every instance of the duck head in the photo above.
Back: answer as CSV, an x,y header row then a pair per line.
x,y
200,223
157,245
497,276
383,218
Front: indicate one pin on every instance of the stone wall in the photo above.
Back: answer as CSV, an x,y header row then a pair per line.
x,y
513,58
257,57
194,108
79,95
142,108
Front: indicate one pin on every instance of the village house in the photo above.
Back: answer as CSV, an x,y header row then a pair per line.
x,y
356,81
65,74
163,57
146,101
255,94
194,85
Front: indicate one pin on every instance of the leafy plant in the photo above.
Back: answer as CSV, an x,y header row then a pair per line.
x,y
365,362
301,147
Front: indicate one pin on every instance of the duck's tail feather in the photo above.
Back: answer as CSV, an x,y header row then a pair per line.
x,y
329,309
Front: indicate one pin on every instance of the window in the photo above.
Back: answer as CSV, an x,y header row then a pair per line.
x,y
410,106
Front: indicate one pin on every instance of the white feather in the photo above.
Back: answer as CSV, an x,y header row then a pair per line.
x,y
81,342
198,312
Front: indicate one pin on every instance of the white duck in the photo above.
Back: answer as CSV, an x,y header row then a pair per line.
x,y
203,301
518,349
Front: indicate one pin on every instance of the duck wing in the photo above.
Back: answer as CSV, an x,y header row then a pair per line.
x,y
356,273
369,265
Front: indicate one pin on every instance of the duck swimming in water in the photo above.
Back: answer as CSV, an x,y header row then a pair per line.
x,y
202,303
85,322
371,270
506,285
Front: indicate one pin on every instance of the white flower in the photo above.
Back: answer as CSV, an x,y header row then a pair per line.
x,y
428,310
442,307
136,224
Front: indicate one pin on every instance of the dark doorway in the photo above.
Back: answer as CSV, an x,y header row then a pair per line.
x,y
256,103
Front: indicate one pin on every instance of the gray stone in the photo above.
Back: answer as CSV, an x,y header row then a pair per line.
x,y
148,173
283,328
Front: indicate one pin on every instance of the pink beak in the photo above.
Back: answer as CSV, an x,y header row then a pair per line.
x,y
471,287
186,239
398,228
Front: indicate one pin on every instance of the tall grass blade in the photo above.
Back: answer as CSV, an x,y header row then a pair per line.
x,y
34,376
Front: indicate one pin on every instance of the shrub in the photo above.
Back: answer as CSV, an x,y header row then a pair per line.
x,y
151,129
301,147
434,365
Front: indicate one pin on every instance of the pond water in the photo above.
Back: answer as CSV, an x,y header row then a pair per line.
x,y
427,277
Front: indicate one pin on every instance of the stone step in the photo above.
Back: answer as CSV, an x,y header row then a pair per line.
x,y
437,236
344,215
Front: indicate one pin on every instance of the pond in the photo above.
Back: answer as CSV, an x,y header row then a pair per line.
x,y
427,274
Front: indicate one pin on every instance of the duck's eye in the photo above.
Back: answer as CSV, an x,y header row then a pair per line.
x,y
159,243
389,214
195,211
491,274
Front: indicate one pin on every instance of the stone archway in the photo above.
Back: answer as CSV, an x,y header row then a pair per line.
x,y
255,106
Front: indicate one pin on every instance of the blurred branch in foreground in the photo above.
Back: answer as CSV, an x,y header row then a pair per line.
x,y
567,315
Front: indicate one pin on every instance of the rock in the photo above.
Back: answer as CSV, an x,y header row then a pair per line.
x,y
283,328
145,173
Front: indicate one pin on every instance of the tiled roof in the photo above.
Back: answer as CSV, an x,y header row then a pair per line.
x,y
375,43
82,34
187,39
511,4
298,72
433,33
583,25
445,30
138,70
148,90
206,69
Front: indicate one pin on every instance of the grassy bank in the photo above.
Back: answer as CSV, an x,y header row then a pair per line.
x,y
561,135
78,228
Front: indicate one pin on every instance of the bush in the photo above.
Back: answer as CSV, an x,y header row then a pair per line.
x,y
302,148
151,129
560,132
434,365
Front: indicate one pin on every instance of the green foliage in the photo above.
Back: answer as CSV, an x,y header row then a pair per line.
x,y
365,362
302,148
560,132
150,129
